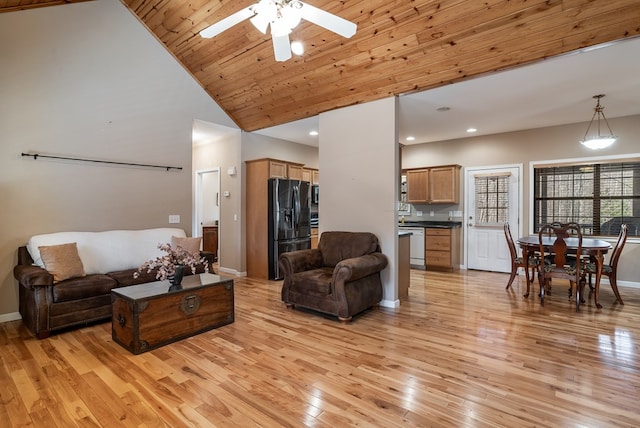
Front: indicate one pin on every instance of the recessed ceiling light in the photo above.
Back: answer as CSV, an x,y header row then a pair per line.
x,y
410,138
471,130
443,108
313,133
297,48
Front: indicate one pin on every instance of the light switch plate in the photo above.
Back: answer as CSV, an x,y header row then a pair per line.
x,y
174,218
419,213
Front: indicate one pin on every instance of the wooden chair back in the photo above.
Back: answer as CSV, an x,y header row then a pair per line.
x,y
512,246
516,261
617,250
558,254
559,264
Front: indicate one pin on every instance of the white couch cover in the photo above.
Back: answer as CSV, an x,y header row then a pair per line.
x,y
109,251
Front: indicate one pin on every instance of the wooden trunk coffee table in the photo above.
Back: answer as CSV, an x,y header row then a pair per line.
x,y
147,316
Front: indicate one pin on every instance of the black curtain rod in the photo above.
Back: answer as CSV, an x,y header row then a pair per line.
x,y
37,155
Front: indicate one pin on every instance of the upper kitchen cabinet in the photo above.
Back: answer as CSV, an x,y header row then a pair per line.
x,y
295,171
306,174
434,185
417,186
275,168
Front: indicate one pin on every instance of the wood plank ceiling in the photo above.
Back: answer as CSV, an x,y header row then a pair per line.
x,y
400,46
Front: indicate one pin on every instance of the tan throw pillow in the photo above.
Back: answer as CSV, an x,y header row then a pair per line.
x,y
62,261
191,245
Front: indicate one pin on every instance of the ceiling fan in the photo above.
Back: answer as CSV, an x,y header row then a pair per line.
x,y
283,16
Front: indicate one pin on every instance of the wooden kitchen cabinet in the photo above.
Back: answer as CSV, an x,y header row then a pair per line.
x,y
444,184
295,171
306,174
311,175
434,185
258,173
314,237
442,248
418,186
210,240
276,168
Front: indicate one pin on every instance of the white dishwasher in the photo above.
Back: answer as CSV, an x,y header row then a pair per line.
x,y
416,253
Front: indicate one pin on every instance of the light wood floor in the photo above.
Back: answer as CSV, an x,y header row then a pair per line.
x,y
461,352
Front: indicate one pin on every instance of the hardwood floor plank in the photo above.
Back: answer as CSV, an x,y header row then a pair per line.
x,y
461,351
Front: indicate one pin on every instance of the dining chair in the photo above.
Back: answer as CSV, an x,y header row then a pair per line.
x,y
517,261
571,258
557,264
611,269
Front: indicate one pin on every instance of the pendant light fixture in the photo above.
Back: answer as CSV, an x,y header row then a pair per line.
x,y
599,141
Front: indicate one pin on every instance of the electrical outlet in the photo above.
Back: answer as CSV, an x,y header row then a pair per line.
x,y
431,214
457,213
419,213
174,218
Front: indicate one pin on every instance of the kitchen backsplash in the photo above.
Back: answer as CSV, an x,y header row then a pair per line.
x,y
440,213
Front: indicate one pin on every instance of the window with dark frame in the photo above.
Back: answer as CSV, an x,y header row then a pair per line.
x,y
599,197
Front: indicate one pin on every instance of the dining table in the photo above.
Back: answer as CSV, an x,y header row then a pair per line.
x,y
593,248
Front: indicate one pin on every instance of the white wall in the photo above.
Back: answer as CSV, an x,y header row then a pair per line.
x,y
87,80
256,146
220,147
359,176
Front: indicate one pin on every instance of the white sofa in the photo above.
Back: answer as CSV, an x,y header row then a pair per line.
x,y
108,251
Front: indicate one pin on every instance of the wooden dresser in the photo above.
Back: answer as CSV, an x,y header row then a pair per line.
x,y
210,240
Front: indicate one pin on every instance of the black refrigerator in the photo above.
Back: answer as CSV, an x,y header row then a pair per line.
x,y
289,219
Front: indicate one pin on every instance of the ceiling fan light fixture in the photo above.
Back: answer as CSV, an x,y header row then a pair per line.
x,y
290,16
261,22
282,16
599,141
297,47
280,28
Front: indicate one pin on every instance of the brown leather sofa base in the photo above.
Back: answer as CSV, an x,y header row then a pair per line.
x,y
45,307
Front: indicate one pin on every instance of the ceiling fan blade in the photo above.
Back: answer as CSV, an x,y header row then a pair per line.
x,y
228,22
281,47
328,20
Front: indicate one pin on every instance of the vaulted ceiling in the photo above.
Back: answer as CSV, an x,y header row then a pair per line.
x,y
399,47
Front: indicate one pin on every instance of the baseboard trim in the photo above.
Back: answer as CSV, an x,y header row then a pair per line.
x,y
231,271
14,316
390,303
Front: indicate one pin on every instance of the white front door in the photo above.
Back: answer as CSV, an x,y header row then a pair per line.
x,y
493,197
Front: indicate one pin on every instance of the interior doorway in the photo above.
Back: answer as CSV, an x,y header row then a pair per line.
x,y
207,200
494,195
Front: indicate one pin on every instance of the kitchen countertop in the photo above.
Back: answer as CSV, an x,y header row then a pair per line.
x,y
433,224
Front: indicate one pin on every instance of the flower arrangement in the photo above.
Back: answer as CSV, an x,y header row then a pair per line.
x,y
166,264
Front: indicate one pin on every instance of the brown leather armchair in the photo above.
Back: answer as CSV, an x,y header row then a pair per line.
x,y
341,277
